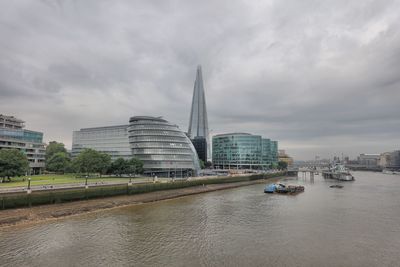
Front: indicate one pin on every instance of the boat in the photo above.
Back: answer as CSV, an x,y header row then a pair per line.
x,y
336,186
270,188
338,172
283,189
386,171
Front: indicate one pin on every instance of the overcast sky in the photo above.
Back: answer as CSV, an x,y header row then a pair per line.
x,y
321,77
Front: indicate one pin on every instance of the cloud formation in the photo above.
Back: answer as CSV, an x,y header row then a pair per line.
x,y
322,77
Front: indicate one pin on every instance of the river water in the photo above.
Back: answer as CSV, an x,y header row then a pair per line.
x,y
358,225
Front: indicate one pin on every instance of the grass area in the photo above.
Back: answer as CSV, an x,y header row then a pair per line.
x,y
52,179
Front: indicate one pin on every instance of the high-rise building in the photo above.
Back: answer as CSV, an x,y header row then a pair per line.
x,y
198,122
200,144
243,151
13,135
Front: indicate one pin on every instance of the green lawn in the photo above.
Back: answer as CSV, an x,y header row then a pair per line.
x,y
51,179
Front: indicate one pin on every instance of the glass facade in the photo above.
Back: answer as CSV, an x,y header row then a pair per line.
x,y
14,136
200,144
112,140
164,149
243,151
198,122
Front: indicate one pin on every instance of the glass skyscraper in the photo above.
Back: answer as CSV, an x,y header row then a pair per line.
x,y
243,151
198,122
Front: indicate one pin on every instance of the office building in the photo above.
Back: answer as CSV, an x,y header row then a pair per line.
x,y
200,144
390,160
13,135
198,122
164,149
112,140
243,151
368,161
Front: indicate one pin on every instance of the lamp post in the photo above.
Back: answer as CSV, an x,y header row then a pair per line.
x,y
29,186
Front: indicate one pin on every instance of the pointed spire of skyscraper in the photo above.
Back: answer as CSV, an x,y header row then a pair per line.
x,y
198,123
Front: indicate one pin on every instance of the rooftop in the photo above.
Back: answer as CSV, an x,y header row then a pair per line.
x,y
104,127
137,118
229,134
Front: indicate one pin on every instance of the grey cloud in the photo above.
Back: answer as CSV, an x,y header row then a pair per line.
x,y
321,77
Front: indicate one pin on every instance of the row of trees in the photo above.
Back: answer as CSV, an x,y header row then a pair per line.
x,y
15,163
88,161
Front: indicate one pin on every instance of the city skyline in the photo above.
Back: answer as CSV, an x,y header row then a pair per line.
x,y
323,83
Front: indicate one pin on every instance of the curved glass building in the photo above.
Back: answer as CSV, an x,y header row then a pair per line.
x,y
243,151
164,149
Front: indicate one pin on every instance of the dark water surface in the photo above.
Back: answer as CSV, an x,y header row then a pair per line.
x,y
358,225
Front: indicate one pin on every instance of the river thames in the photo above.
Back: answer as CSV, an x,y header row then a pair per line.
x,y
358,225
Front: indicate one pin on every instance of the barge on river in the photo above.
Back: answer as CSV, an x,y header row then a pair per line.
x,y
283,189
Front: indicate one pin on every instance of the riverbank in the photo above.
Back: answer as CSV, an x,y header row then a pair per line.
x,y
56,211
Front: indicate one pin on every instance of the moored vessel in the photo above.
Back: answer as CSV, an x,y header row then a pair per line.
x,y
338,172
283,189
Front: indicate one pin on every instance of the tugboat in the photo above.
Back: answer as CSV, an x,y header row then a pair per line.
x,y
338,172
283,189
336,186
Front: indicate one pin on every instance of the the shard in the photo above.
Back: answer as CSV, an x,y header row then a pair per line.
x,y
198,123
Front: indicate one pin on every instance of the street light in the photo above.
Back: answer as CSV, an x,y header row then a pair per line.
x,y
86,184
29,186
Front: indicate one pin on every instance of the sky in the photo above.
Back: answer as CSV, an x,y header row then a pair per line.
x,y
321,77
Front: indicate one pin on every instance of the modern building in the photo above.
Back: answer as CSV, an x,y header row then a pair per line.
x,y
368,161
164,149
13,135
282,156
243,151
200,144
274,152
112,140
390,160
198,122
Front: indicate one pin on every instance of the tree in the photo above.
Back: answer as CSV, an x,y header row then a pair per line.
x,y
53,147
282,165
135,166
58,162
119,167
202,165
12,163
104,163
92,161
